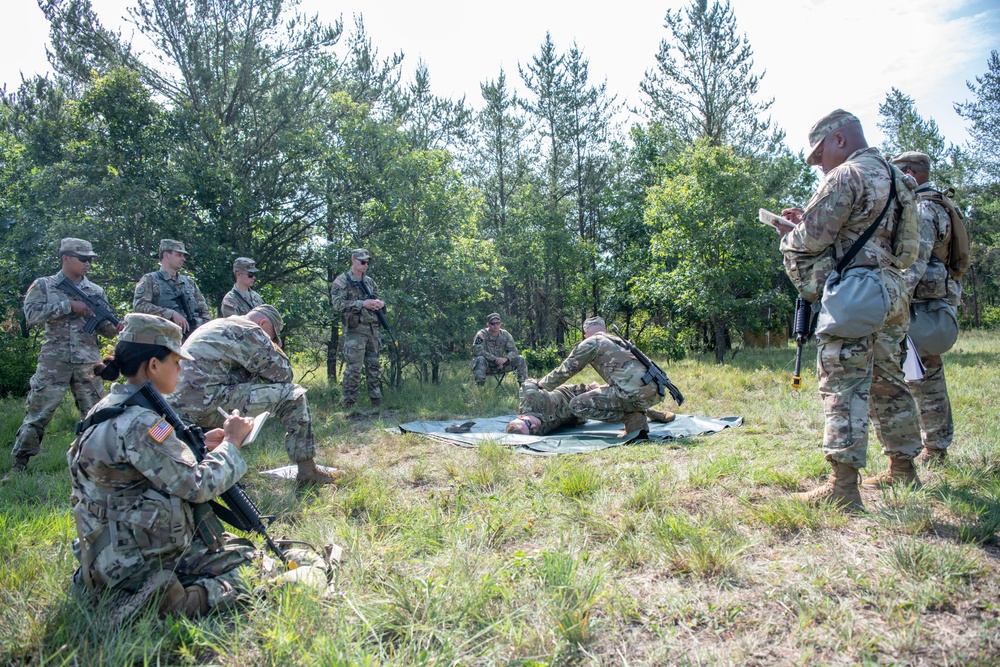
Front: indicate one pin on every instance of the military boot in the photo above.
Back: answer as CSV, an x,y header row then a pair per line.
x,y
841,489
662,416
900,471
162,585
20,465
310,474
636,421
195,602
932,458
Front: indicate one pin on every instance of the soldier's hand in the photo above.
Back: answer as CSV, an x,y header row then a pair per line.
x,y
237,428
180,321
121,325
793,215
374,304
81,309
501,361
214,438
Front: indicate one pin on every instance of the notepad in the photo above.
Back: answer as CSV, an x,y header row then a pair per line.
x,y
258,423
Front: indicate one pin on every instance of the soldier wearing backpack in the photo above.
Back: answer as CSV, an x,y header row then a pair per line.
x,y
933,281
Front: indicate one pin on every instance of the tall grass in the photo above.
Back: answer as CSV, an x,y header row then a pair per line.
x,y
689,552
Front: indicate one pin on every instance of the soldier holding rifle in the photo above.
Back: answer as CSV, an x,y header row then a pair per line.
x,y
69,350
170,294
355,296
860,194
137,488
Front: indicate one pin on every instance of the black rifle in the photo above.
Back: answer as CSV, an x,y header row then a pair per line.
x,y
802,327
239,511
380,314
101,313
653,372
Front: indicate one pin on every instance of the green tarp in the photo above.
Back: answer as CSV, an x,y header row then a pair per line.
x,y
590,437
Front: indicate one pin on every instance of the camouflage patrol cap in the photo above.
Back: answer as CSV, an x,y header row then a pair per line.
x,y
272,314
245,264
360,253
492,316
916,160
153,330
595,321
167,245
77,247
834,120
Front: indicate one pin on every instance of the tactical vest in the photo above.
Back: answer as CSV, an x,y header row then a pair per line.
x,y
178,297
353,320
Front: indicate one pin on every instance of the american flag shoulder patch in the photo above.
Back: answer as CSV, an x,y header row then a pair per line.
x,y
161,430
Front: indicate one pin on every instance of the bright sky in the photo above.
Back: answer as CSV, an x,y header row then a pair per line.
x,y
862,48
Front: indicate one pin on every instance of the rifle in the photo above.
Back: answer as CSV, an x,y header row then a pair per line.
x,y
100,312
653,372
380,314
802,327
239,511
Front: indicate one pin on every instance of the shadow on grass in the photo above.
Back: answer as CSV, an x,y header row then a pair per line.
x,y
977,516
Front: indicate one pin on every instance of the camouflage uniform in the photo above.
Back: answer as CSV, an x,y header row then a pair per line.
x,y
624,392
134,482
928,280
361,336
236,301
850,371
66,359
485,350
159,293
552,408
233,359
239,303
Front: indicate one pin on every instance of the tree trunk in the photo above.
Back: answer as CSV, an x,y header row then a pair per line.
x,y
720,341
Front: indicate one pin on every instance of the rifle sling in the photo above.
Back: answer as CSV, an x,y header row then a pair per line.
x,y
137,399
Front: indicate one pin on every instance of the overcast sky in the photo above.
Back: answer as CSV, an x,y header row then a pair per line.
x,y
818,54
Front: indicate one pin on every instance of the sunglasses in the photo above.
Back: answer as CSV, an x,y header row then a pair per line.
x,y
528,424
494,323
364,261
85,260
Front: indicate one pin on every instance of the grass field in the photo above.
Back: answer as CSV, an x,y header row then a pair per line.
x,y
688,553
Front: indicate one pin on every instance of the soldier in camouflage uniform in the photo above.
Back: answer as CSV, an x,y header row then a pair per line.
x,y
68,354
169,294
493,351
624,399
851,371
929,280
237,364
361,328
242,299
135,483
542,412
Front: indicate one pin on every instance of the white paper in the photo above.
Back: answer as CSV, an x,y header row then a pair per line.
x,y
774,220
913,368
290,472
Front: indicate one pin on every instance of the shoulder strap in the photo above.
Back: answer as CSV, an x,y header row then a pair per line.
x,y
863,239
99,417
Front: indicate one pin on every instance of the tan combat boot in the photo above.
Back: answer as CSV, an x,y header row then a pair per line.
x,y
841,489
636,421
162,585
662,416
310,474
20,465
900,471
195,602
932,458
